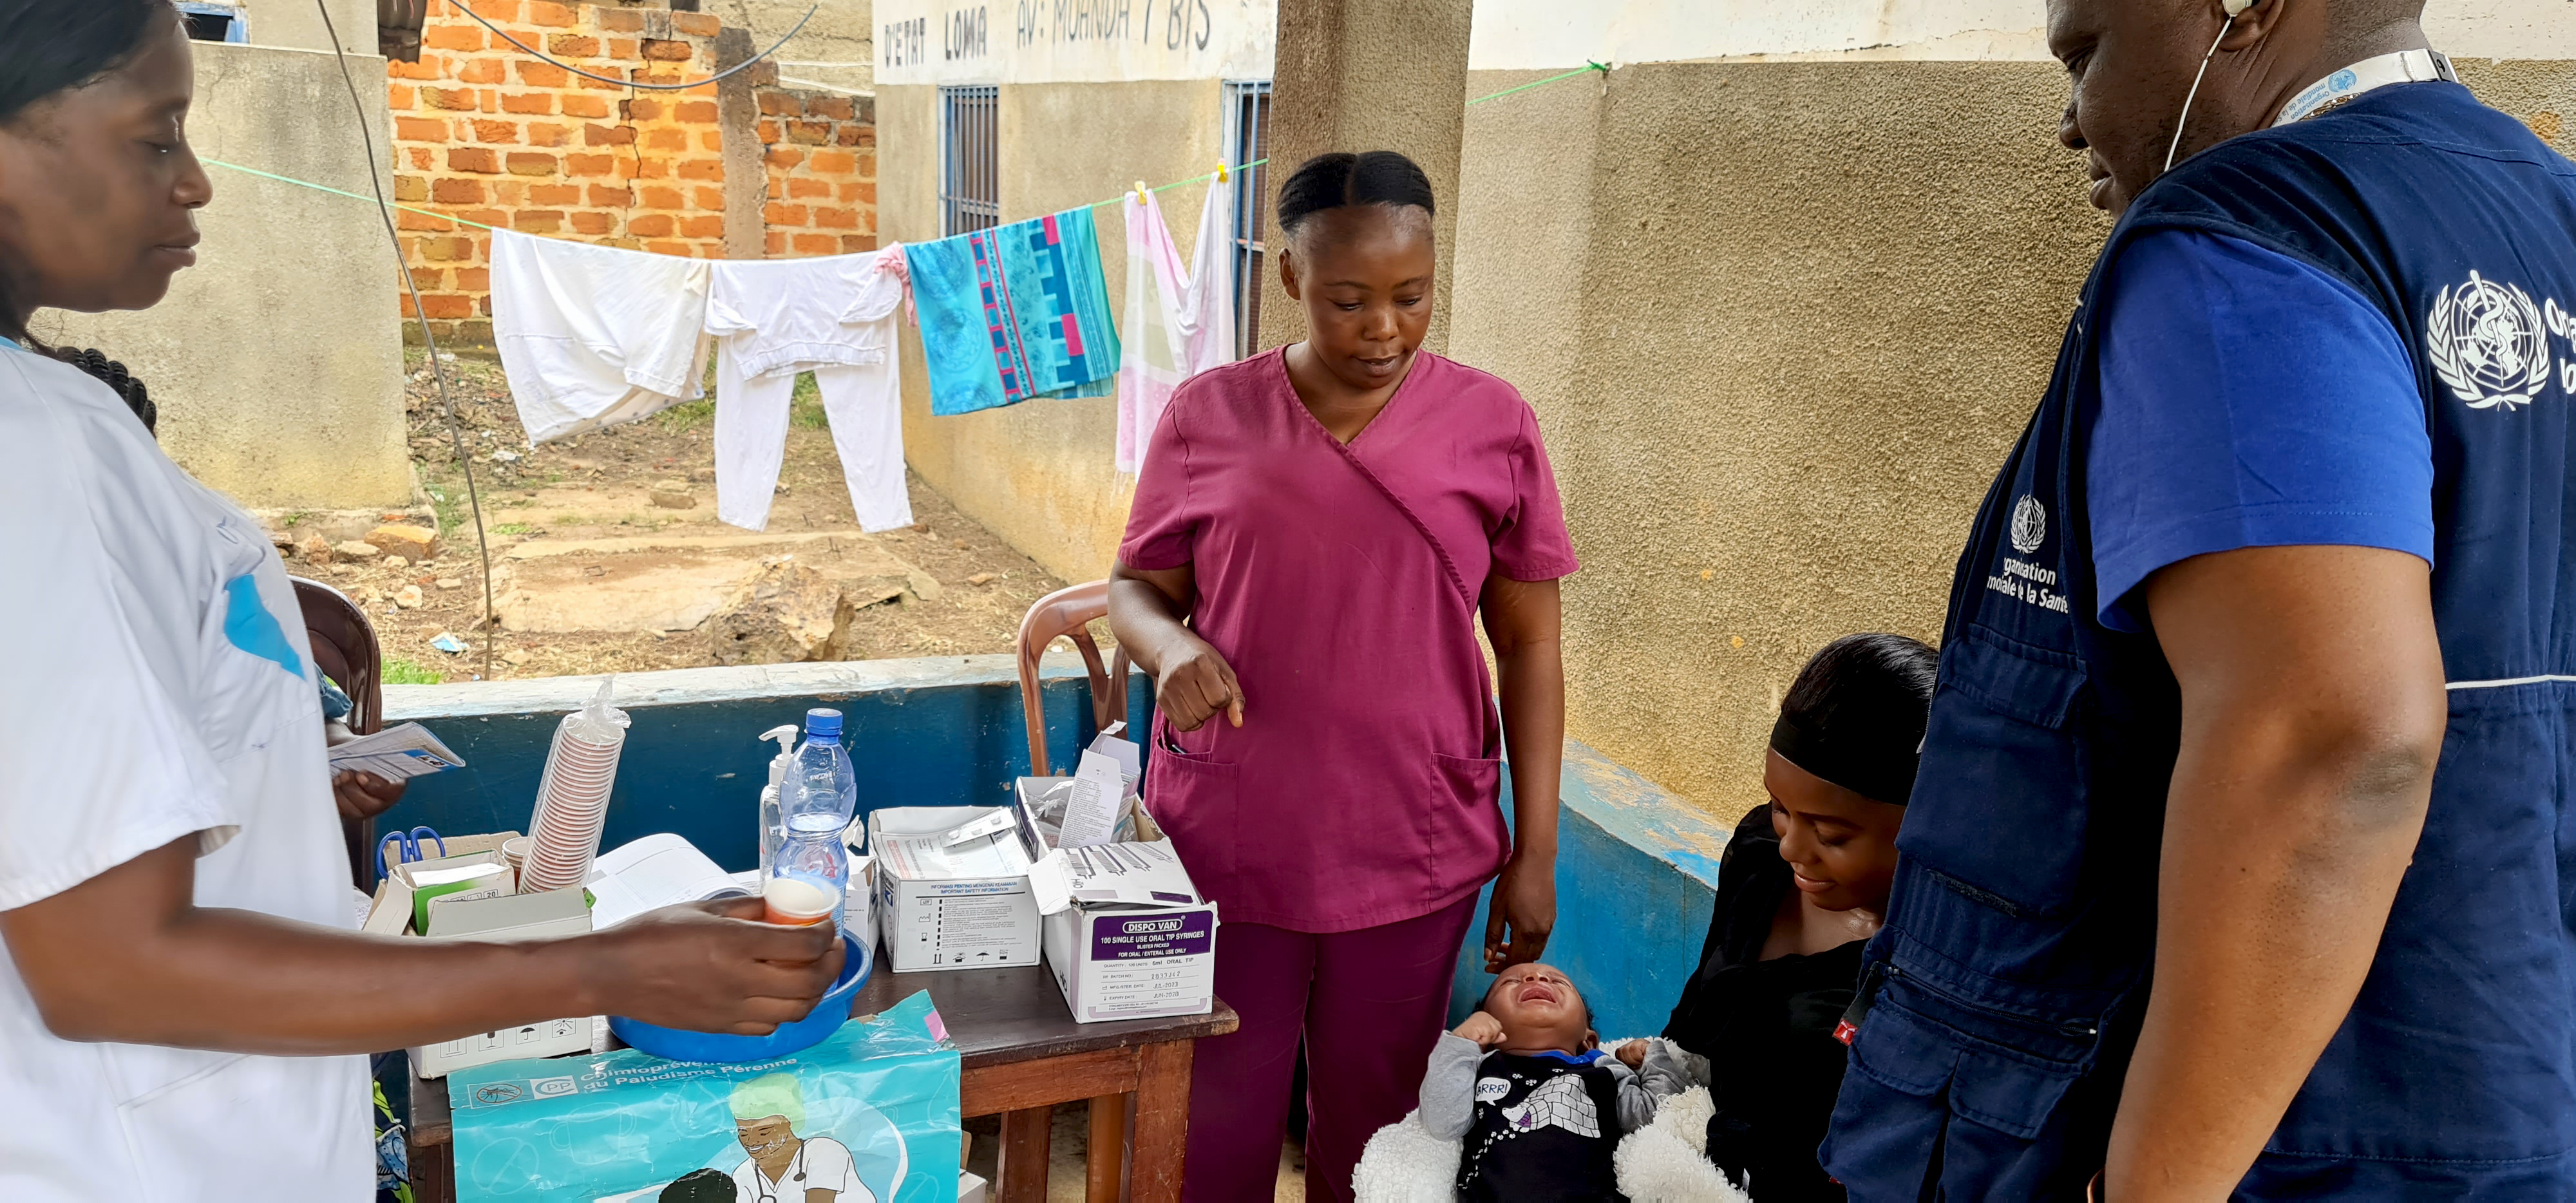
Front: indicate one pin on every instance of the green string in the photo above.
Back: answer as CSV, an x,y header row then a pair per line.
x,y
1541,83
1198,179
284,179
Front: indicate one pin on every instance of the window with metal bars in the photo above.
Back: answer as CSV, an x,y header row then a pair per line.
x,y
970,194
1247,140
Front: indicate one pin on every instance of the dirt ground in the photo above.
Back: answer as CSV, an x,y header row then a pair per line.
x,y
601,486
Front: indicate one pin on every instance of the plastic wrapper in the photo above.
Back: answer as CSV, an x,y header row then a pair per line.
x,y
572,798
871,1112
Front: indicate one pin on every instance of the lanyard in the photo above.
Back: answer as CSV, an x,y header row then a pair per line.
x,y
2342,87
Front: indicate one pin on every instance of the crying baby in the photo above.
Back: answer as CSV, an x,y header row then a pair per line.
x,y
1540,1107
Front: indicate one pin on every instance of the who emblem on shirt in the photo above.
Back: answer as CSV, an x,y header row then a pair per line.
x,y
2489,343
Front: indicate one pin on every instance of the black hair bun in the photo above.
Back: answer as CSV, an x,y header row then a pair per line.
x,y
1342,179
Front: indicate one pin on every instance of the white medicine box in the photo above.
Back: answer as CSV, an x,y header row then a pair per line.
x,y
547,916
953,887
1128,936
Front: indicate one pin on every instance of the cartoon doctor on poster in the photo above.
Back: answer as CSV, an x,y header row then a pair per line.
x,y
783,1167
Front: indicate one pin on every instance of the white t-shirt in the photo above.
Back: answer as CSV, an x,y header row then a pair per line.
x,y
822,1162
158,685
593,336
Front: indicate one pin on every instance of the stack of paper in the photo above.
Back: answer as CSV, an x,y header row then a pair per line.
x,y
398,754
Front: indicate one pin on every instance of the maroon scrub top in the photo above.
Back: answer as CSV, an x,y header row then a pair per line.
x,y
1340,582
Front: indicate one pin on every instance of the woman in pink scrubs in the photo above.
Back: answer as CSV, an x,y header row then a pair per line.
x,y
1317,532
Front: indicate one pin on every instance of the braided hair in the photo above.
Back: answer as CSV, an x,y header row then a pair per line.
x,y
113,374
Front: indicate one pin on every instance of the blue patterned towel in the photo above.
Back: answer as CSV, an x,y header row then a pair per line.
x,y
1015,312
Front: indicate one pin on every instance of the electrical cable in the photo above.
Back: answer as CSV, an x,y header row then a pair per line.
x,y
542,56
437,370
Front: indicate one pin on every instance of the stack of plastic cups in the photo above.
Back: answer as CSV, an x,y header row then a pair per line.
x,y
572,800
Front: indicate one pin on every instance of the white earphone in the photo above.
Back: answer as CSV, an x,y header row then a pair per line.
x,y
2234,9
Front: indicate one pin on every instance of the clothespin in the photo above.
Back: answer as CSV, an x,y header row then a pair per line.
x,y
1223,174
1142,192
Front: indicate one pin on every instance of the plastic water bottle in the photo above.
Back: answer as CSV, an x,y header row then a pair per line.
x,y
821,781
814,856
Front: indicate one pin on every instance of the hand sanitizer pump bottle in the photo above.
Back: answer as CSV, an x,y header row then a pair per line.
x,y
773,813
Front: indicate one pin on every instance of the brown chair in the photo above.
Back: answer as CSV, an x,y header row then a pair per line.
x,y
344,649
1068,614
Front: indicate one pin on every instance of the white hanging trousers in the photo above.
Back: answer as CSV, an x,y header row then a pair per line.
x,y
862,405
833,317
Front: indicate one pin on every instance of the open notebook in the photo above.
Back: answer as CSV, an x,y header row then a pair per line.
x,y
656,871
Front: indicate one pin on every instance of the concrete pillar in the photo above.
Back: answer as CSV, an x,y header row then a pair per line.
x,y
746,186
1370,75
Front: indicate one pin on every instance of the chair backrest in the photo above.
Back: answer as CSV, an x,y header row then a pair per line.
x,y
344,649
1068,614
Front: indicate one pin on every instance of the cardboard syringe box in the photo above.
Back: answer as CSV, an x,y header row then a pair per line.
x,y
1128,936
512,917
963,907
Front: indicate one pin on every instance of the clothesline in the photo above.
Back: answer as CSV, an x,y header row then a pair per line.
x,y
1199,179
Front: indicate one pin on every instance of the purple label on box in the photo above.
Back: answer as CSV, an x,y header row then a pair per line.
x,y
1132,937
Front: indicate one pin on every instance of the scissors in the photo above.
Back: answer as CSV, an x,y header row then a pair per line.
x,y
406,846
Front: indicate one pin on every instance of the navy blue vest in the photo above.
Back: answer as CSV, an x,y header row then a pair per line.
x,y
2005,992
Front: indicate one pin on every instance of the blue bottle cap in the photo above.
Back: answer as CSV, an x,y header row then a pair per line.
x,y
823,724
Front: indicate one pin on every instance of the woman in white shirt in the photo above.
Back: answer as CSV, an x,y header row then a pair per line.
x,y
182,1001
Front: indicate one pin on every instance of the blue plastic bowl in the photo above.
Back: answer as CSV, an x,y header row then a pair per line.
x,y
826,1018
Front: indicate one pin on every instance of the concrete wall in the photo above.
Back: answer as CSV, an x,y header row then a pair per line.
x,y
1357,75
1782,287
299,23
1780,321
1039,474
277,369
836,47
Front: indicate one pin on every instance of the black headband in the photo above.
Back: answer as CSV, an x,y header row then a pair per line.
x,y
1880,774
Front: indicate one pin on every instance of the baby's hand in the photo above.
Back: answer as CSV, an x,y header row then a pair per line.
x,y
1631,1054
1484,1029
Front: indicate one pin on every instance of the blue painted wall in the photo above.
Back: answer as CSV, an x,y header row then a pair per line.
x,y
1636,867
929,733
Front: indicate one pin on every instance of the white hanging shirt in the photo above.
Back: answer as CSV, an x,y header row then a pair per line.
x,y
834,317
1179,325
159,688
595,336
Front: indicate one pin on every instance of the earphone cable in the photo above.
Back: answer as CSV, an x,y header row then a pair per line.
x,y
2184,122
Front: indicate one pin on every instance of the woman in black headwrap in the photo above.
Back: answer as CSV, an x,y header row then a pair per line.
x,y
1802,888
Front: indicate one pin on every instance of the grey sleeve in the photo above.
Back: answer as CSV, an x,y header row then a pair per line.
x,y
1642,1091
1449,1087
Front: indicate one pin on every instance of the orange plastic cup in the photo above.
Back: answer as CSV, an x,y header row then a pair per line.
x,y
792,903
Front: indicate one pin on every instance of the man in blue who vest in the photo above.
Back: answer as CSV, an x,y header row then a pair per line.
x,y
2241,858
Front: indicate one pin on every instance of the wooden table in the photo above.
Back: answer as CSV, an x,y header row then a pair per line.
x,y
1020,1053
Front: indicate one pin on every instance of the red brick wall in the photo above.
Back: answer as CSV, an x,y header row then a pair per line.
x,y
821,149
489,134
